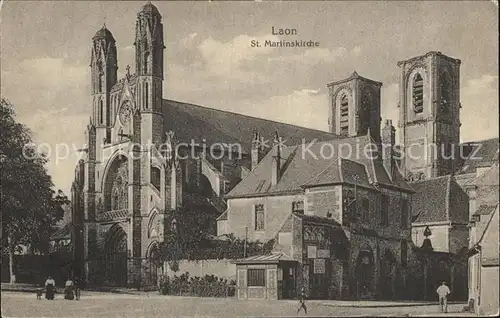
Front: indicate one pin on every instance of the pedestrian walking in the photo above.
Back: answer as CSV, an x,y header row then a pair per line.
x,y
302,301
443,291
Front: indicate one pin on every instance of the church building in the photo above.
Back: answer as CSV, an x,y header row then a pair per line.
x,y
133,172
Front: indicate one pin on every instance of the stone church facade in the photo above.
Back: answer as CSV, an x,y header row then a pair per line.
x,y
146,157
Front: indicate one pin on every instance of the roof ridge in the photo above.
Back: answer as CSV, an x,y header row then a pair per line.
x,y
248,116
481,140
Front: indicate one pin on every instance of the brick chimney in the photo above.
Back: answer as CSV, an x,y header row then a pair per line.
x,y
257,149
276,166
388,143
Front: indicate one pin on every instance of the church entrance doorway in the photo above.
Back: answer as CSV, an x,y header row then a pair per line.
x,y
364,275
116,257
388,276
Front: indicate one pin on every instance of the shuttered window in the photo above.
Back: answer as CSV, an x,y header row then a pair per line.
x,y
256,277
259,217
418,94
344,115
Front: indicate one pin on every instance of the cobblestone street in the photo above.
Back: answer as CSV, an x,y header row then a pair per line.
x,y
154,305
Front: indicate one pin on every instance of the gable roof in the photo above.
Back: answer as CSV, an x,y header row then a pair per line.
x,y
489,241
439,199
478,154
317,164
490,177
194,122
429,203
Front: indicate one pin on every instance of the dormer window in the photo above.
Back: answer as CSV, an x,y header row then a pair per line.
x,y
344,115
418,94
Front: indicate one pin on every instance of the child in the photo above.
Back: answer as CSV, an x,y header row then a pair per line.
x,y
302,301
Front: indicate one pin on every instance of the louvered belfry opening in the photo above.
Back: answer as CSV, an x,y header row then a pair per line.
x,y
344,116
418,94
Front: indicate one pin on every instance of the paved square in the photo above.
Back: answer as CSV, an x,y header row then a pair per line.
x,y
154,305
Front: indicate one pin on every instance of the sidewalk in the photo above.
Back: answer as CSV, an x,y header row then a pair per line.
x,y
377,304
31,288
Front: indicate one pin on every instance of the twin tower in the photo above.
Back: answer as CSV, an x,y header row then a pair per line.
x,y
115,101
429,113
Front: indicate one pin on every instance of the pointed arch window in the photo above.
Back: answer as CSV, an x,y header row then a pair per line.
x,y
146,58
344,115
156,177
115,200
101,112
147,96
99,83
418,94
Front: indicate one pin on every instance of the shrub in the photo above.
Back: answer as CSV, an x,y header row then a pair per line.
x,y
207,286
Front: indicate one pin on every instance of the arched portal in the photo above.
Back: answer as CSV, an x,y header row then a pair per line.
x,y
155,263
364,274
116,256
388,276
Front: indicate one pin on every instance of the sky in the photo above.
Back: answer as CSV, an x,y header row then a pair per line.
x,y
45,51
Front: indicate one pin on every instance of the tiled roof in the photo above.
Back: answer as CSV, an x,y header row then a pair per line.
x,y
486,155
265,259
306,168
439,199
429,203
193,122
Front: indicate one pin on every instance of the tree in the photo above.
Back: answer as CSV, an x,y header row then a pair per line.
x,y
29,204
187,229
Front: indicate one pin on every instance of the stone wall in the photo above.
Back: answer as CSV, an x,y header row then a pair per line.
x,y
220,268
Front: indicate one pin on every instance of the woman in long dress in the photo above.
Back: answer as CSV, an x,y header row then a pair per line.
x,y
50,285
69,290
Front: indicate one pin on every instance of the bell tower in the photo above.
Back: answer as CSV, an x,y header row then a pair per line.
x,y
149,48
355,107
429,115
104,67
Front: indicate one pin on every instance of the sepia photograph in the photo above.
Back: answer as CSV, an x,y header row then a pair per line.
x,y
249,158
